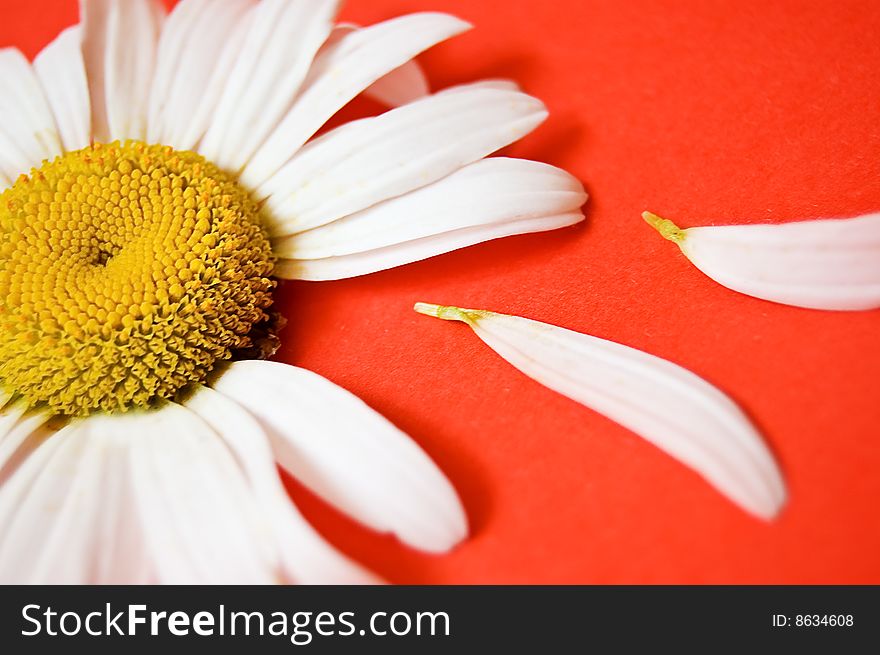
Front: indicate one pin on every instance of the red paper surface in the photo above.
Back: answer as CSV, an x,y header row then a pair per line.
x,y
705,112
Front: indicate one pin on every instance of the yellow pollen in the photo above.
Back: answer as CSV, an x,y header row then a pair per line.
x,y
127,271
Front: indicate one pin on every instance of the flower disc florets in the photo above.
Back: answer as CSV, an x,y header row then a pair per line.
x,y
127,271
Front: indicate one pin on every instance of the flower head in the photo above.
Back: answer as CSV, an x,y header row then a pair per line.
x,y
161,174
128,272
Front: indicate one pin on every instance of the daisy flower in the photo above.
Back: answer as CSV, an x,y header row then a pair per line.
x,y
161,173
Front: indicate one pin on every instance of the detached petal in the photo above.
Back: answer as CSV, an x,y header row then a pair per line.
x,y
63,76
485,200
342,71
119,50
374,159
669,406
821,264
348,454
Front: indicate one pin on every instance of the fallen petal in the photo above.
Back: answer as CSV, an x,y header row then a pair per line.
x,y
820,264
669,406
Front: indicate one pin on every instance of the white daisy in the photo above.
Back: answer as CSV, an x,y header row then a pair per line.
x,y
160,173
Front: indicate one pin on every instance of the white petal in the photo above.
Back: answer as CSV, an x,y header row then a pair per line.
x,y
362,263
342,71
402,85
197,50
487,199
279,48
121,553
205,524
62,73
13,161
20,433
349,454
822,264
35,504
498,83
119,50
664,403
68,514
306,557
28,134
374,159
74,503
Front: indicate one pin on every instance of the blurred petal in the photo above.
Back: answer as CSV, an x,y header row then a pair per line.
x,y
156,496
374,159
669,406
203,524
196,51
342,71
38,506
119,50
280,45
20,432
489,198
348,454
821,264
62,73
28,134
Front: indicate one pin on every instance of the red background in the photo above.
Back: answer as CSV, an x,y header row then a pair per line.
x,y
705,112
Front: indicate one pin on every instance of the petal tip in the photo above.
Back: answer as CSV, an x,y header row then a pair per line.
x,y
447,312
666,228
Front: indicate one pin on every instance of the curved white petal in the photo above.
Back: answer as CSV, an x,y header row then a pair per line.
x,y
362,263
121,551
192,63
184,131
62,73
374,159
36,503
348,454
280,45
306,557
157,496
664,403
342,71
398,87
28,134
489,198
119,50
821,264
205,524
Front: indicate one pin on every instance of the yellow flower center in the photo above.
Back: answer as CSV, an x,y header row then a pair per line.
x,y
127,271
